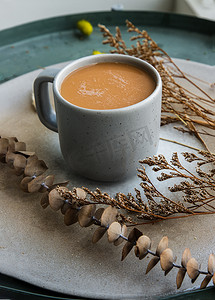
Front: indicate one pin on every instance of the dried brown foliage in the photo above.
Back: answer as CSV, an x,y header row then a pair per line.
x,y
80,205
194,112
149,204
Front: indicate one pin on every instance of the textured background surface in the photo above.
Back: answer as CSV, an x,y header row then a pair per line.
x,y
35,244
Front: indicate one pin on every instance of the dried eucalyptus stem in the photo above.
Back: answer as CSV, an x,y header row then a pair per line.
x,y
76,206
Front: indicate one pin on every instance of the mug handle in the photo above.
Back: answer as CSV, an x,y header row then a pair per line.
x,y
45,111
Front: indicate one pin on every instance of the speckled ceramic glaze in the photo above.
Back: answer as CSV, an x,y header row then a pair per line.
x,y
103,145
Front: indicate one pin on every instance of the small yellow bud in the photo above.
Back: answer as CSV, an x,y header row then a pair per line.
x,y
97,52
85,27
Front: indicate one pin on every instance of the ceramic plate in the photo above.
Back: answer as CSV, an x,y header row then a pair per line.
x,y
38,248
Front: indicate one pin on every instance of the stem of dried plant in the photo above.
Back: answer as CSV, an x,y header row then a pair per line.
x,y
178,103
80,205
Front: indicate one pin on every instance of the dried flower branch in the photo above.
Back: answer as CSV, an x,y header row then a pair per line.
x,y
79,205
178,104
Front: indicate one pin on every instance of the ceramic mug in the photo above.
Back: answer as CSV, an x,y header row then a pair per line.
x,y
103,145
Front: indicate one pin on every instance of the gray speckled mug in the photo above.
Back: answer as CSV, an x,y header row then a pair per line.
x,y
103,145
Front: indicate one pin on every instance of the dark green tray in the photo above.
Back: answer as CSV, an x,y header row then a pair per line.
x,y
47,42
42,43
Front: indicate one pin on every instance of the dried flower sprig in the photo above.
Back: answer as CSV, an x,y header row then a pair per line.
x,y
178,103
75,207
196,189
